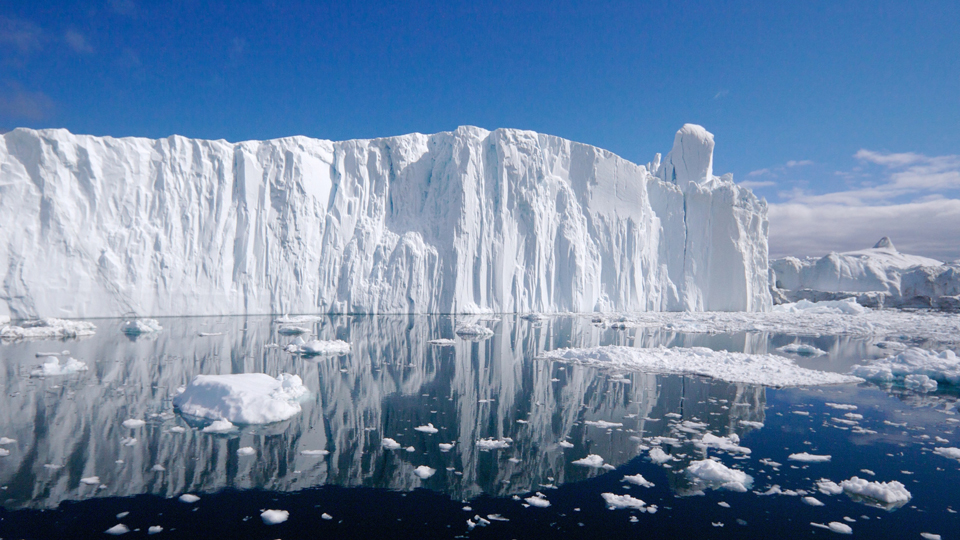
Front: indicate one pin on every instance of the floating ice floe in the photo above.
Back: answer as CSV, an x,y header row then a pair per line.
x,y
593,461
133,423
155,529
319,347
751,424
765,369
841,406
493,443
117,530
638,480
602,424
539,500
189,498
730,443
443,342
47,329
220,426
53,367
4,452
716,475
135,327
888,495
423,472
292,330
426,429
829,487
812,501
948,452
274,517
446,447
474,332
6,440
158,468
617,502
929,536
90,480
245,398
246,451
658,456
802,349
389,444
919,369
316,453
834,526
808,458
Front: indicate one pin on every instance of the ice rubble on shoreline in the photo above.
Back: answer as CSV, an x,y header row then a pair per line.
x,y
245,398
764,369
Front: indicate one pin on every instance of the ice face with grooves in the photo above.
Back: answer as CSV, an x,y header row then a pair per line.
x,y
462,221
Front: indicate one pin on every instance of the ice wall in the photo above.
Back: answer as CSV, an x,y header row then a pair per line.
x,y
462,221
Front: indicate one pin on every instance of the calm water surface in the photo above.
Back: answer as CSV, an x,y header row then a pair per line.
x,y
70,428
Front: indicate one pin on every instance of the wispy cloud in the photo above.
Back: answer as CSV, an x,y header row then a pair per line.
x,y
759,172
913,198
754,184
77,41
21,36
780,169
801,163
17,103
722,93
123,7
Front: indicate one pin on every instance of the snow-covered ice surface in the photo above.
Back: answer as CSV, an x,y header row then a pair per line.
x,y
918,368
765,369
463,221
715,475
247,398
46,328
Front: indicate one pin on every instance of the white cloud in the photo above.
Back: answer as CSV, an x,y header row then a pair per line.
x,y
754,184
915,200
721,94
759,172
77,42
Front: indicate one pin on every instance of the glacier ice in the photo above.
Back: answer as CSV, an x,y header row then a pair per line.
x,y
463,221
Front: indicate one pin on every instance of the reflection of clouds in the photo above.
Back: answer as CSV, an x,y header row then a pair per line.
x,y
393,382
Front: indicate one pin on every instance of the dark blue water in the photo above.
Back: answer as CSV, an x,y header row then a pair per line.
x,y
68,428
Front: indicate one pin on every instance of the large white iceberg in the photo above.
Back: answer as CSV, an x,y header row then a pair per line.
x,y
462,221
880,275
244,398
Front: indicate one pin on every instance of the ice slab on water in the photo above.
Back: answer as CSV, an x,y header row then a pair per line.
x,y
274,517
915,368
54,367
47,329
135,327
765,369
886,494
414,223
319,347
246,398
716,475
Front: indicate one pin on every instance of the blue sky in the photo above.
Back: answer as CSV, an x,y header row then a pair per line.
x,y
844,115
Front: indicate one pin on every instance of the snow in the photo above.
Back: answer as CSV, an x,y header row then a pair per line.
x,y
423,472
765,369
808,458
43,328
274,517
403,224
617,502
117,530
948,452
493,444
245,398
801,349
638,480
53,367
917,368
718,476
593,461
887,493
135,327
189,498
427,429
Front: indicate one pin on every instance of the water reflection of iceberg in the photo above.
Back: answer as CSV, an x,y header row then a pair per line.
x,y
393,382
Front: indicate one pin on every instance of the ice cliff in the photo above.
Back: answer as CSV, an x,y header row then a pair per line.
x,y
462,221
880,276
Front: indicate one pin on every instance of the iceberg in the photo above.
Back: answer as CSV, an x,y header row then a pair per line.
x,y
468,221
245,398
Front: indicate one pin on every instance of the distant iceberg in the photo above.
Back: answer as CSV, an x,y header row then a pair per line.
x,y
468,221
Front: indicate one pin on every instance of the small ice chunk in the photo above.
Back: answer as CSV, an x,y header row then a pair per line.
x,y
446,447
410,449
246,451
751,424
616,502
835,526
423,472
929,536
155,529
809,458
539,500
243,398
948,452
889,494
731,443
158,468
593,460
274,517
220,426
91,480
390,444
117,530
4,452
133,423
638,480
812,501
565,444
6,440
603,424
723,504
474,331
318,347
292,330
426,429
828,487
177,429
320,453
658,456
326,516
841,406
493,444
52,367
718,476
802,349
443,342
135,327
189,498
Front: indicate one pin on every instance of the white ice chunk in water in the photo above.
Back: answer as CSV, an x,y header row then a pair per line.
x,y
602,424
6,440
446,447
730,443
474,332
246,398
812,501
716,475
829,487
53,367
274,517
638,480
117,530
929,536
801,349
189,498
91,480
493,444
423,472
426,429
835,526
926,368
47,329
246,451
539,500
616,502
135,327
593,461
220,426
948,452
133,423
155,529
888,494
443,342
658,456
318,453
389,444
318,347
809,458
